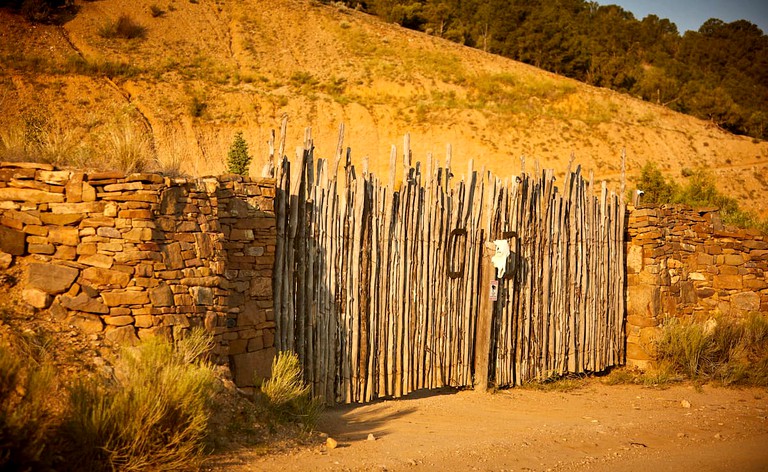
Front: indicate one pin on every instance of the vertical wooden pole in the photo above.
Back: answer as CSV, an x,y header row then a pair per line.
x,y
484,318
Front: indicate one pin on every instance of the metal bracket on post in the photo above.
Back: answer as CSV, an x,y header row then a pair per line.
x,y
454,272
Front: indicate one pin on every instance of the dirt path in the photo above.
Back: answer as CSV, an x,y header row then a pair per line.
x,y
596,428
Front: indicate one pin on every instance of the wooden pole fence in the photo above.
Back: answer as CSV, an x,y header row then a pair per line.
x,y
381,286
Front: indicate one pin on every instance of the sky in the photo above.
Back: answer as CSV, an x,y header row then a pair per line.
x,y
690,14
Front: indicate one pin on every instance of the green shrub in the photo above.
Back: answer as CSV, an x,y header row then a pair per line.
x,y
658,189
699,191
124,27
304,82
238,159
152,415
288,397
37,11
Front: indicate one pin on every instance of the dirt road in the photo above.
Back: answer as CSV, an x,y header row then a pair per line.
x,y
594,428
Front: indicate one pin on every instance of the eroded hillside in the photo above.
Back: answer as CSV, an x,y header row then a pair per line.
x,y
201,71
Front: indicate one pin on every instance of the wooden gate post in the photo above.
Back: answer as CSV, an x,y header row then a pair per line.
x,y
488,296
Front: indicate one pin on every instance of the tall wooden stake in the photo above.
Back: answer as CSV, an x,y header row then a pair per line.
x,y
484,318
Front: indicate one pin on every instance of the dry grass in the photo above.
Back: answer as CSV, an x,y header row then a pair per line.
x,y
661,375
120,146
26,420
73,64
724,350
286,395
38,140
153,415
125,27
58,145
12,144
562,383
127,149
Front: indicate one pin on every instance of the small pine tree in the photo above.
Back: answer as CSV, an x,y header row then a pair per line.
x,y
238,159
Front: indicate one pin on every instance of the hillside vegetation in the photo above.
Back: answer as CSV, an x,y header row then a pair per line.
x,y
717,73
169,84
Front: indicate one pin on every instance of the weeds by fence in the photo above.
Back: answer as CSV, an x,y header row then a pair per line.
x,y
724,350
152,414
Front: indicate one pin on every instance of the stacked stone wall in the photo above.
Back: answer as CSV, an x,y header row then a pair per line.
x,y
123,257
685,262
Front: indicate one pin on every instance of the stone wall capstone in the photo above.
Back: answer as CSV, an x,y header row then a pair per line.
x,y
128,256
685,262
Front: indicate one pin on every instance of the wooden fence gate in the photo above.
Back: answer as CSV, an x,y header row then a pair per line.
x,y
377,284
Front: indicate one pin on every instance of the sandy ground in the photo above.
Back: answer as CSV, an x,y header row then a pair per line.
x,y
595,428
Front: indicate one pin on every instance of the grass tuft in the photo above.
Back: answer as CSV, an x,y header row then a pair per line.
x,y
38,140
286,394
659,376
126,149
562,383
124,27
197,106
12,144
156,11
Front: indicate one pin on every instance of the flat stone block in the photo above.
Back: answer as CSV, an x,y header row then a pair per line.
x,y
125,298
83,302
644,301
97,260
51,278
125,335
728,281
36,298
30,195
6,260
12,241
120,320
87,323
99,276
746,301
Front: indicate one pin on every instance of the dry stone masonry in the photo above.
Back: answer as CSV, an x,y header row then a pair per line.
x,y
123,257
129,256
684,262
